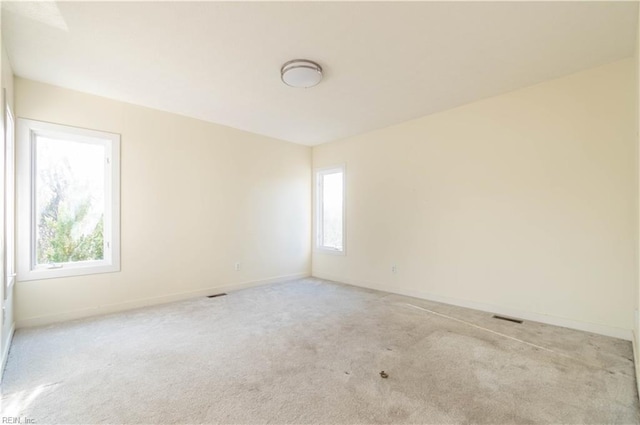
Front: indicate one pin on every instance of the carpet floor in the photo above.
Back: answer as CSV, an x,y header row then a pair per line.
x,y
311,351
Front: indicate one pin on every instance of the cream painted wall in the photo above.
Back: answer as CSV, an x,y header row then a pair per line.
x,y
196,197
521,203
6,319
636,339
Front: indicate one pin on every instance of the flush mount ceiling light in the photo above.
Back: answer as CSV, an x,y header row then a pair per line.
x,y
301,73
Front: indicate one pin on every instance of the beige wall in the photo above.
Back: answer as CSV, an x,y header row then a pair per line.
x,y
522,203
636,341
195,197
6,319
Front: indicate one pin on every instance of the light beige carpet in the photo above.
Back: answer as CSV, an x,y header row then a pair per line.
x,y
311,351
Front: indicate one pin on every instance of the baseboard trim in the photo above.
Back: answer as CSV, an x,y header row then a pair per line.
x,y
5,351
626,334
636,347
636,364
146,302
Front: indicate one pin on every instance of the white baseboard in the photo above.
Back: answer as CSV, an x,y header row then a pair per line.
x,y
636,349
5,351
164,299
626,334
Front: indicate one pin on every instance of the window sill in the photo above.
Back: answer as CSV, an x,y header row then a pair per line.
x,y
330,251
68,271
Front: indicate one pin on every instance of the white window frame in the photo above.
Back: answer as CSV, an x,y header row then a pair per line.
x,y
9,199
318,228
27,131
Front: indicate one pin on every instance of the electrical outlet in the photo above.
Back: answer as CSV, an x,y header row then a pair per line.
x,y
394,269
237,267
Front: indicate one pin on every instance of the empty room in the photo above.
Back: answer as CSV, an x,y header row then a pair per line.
x,y
319,212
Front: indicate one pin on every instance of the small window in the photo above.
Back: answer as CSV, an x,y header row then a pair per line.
x,y
68,199
330,214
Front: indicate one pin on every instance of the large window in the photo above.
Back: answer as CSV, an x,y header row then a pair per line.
x,y
330,210
69,200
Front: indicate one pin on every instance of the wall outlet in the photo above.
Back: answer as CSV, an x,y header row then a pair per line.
x,y
237,267
394,269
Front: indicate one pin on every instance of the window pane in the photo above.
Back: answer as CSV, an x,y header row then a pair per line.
x,y
332,210
69,201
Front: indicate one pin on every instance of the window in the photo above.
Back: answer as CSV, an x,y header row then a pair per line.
x,y
330,210
68,198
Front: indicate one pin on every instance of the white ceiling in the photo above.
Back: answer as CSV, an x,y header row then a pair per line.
x,y
384,62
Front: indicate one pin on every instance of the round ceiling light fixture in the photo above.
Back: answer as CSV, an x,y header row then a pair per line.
x,y
301,73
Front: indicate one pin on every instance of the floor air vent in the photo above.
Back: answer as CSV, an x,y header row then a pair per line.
x,y
508,319
216,295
